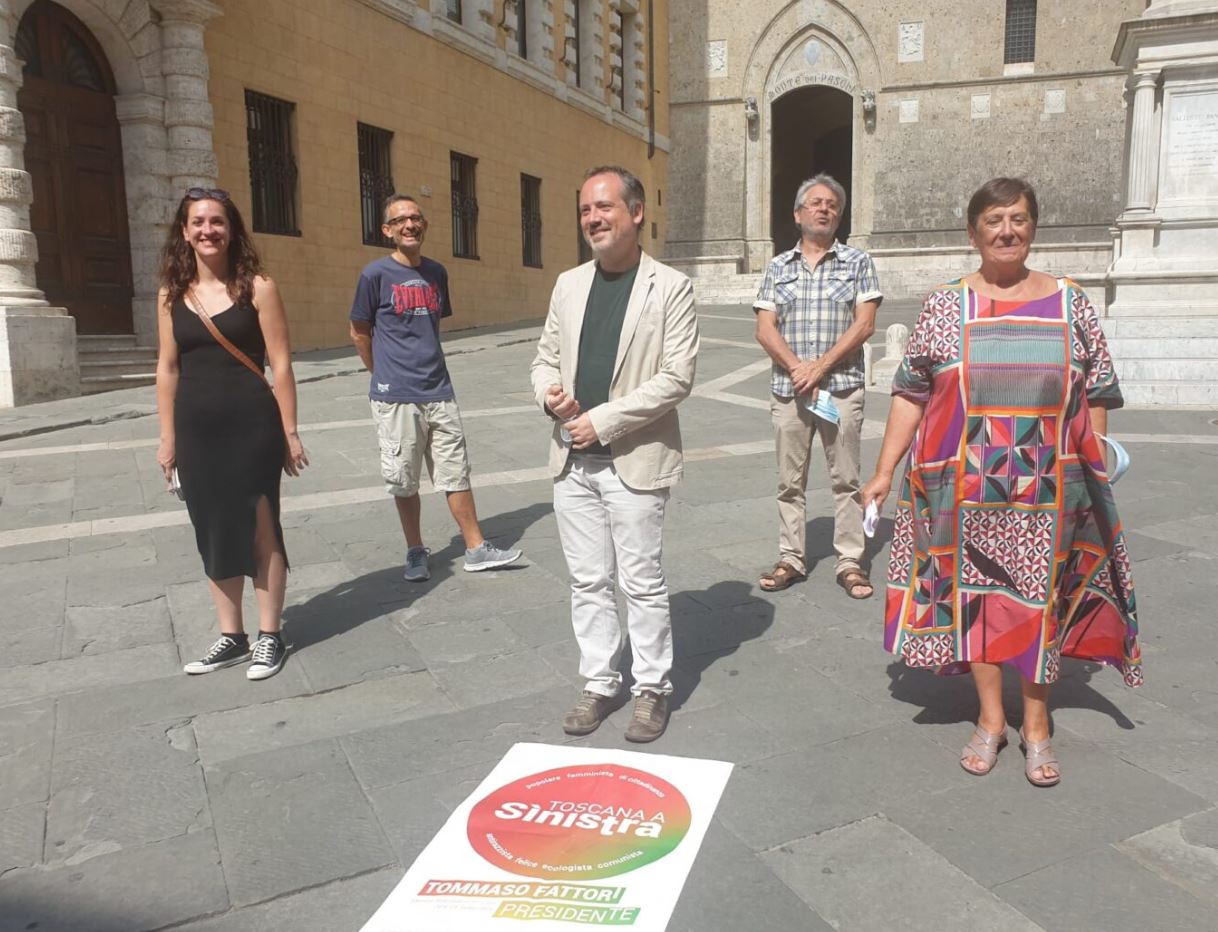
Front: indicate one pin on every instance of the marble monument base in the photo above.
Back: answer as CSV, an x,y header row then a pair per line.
x,y
37,355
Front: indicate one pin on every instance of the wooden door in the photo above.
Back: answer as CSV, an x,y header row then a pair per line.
x,y
74,155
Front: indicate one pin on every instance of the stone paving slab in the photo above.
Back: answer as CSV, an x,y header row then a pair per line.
x,y
339,906
397,698
323,825
730,887
21,836
303,719
63,676
96,807
1105,891
146,887
803,792
862,875
172,698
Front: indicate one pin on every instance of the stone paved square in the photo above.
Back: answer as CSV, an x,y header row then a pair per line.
x,y
137,798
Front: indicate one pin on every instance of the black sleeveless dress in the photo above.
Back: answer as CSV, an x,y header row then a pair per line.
x,y
230,443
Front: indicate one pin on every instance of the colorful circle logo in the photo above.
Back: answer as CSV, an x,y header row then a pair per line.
x,y
579,822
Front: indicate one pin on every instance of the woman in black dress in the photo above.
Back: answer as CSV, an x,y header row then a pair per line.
x,y
223,428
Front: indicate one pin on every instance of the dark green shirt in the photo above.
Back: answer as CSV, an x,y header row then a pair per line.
x,y
599,338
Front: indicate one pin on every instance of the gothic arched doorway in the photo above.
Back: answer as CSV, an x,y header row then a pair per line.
x,y
812,132
74,155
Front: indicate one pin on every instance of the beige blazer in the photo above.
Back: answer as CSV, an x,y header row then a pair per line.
x,y
654,371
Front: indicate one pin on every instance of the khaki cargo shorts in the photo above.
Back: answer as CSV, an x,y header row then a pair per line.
x,y
410,434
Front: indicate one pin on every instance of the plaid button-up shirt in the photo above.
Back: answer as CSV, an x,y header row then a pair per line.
x,y
815,306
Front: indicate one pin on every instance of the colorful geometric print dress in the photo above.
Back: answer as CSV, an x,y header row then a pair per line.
x,y
1007,547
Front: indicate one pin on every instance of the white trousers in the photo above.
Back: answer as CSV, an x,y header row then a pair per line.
x,y
611,536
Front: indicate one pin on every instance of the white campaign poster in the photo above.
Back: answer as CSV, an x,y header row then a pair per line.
x,y
562,838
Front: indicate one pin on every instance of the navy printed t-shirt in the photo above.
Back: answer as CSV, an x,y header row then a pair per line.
x,y
404,304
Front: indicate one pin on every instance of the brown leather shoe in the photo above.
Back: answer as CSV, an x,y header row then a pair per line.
x,y
650,717
589,711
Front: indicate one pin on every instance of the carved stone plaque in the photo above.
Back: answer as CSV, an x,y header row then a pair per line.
x,y
909,41
907,111
716,58
1190,165
1055,101
980,107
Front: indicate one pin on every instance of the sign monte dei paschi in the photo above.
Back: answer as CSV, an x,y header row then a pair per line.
x,y
547,820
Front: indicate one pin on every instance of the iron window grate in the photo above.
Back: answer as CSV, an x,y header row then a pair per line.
x,y
1020,32
375,180
453,11
465,205
530,220
273,172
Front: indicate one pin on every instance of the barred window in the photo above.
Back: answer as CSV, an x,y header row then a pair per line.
x,y
530,220
465,205
375,180
273,171
1021,32
584,250
453,11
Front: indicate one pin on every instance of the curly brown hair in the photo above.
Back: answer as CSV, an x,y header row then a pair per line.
x,y
178,268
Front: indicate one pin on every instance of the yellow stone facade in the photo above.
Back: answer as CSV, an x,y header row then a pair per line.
x,y
347,61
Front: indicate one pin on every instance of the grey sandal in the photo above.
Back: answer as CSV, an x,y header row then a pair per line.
x,y
1038,755
984,746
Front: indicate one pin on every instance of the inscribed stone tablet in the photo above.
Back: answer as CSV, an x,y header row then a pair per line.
x,y
1191,153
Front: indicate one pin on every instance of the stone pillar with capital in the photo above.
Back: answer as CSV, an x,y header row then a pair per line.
x,y
188,112
178,151
1163,283
37,342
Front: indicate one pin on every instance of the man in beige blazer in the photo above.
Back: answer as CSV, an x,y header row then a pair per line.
x,y
616,357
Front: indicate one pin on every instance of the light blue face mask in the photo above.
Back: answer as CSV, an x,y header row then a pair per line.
x,y
1122,459
824,408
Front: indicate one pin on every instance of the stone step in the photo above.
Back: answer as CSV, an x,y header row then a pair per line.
x,y
117,363
1170,394
1160,327
87,343
1164,347
1168,370
94,384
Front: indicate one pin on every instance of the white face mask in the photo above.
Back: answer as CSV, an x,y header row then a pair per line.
x,y
1122,459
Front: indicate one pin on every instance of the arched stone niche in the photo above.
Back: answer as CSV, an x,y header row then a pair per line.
x,y
809,42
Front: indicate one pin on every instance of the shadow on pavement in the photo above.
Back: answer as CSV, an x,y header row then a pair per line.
x,y
949,699
732,614
348,605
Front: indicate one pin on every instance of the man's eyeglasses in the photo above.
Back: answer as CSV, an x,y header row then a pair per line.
x,y
207,194
394,222
828,203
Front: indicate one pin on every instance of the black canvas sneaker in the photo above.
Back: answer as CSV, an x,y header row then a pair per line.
x,y
224,653
269,654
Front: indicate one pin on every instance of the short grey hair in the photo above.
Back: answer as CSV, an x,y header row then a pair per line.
x,y
829,182
393,199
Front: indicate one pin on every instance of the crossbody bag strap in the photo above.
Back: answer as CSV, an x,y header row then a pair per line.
x,y
197,307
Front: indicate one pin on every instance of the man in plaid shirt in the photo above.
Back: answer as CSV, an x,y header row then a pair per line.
x,y
815,309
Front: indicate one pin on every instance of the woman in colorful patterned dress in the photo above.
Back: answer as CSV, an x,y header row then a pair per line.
x,y
1007,548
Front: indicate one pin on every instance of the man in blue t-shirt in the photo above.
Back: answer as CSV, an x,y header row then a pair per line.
x,y
395,326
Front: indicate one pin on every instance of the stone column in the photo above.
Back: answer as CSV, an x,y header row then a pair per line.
x,y
178,130
1141,192
37,342
188,113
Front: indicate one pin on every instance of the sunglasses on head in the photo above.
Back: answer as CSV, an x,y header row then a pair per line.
x,y
206,194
